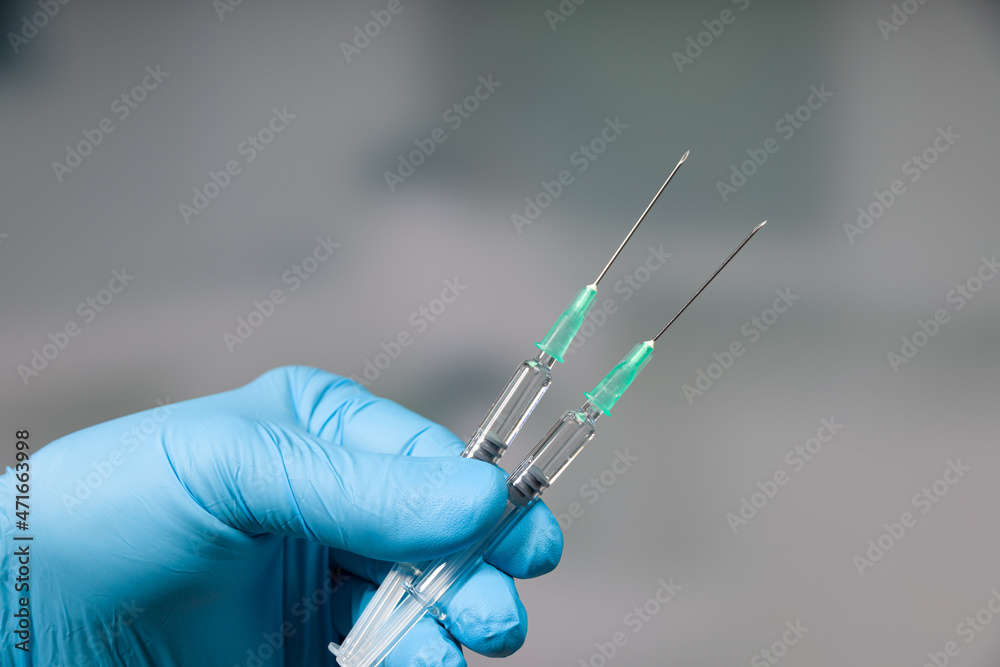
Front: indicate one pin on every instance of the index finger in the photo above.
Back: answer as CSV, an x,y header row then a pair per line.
x,y
340,410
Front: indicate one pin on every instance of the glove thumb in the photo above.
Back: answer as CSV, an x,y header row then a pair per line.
x,y
262,477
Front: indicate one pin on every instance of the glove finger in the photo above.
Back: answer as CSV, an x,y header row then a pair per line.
x,y
339,410
262,477
486,614
347,601
427,643
532,548
369,569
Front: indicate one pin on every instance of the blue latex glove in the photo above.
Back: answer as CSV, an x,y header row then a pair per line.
x,y
246,528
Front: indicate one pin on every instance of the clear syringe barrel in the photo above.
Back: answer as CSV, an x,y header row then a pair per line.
x,y
511,409
431,589
506,417
553,454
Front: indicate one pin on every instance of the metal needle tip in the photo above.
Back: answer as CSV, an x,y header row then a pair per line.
x,y
641,218
717,272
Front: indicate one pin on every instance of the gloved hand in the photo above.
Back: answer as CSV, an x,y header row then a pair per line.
x,y
247,528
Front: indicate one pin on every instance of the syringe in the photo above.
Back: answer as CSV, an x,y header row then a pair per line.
x,y
504,420
431,589
531,379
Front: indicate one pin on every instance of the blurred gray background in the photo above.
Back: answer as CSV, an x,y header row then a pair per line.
x,y
827,356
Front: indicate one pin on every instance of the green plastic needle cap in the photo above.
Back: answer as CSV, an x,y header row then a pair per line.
x,y
562,333
610,389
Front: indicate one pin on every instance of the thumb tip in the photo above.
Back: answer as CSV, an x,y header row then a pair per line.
x,y
454,501
478,486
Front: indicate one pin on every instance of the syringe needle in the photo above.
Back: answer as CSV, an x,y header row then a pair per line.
x,y
607,392
717,272
562,333
641,218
